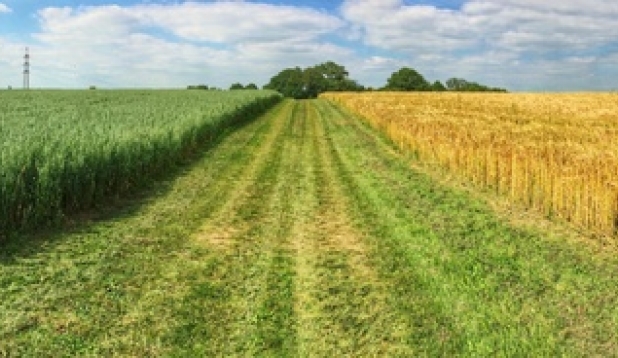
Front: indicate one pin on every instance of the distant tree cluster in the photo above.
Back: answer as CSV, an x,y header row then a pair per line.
x,y
407,79
198,87
310,82
329,76
239,86
461,85
203,88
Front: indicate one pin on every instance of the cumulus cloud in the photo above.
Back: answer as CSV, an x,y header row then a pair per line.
x,y
518,44
410,28
220,22
522,25
373,70
240,21
178,44
11,60
506,37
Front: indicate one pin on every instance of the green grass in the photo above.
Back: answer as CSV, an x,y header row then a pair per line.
x,y
63,152
486,288
304,233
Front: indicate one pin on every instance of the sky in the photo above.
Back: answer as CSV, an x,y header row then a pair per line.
x,y
521,45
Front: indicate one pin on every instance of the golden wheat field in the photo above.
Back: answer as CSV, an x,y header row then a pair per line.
x,y
557,153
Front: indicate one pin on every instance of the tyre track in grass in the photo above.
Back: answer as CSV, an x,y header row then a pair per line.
x,y
297,275
249,252
503,289
410,269
236,187
412,232
121,280
172,308
304,234
342,304
213,191
233,294
266,325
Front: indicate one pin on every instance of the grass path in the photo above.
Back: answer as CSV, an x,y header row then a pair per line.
x,y
304,234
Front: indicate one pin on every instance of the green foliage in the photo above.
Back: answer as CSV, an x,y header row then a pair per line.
x,y
462,85
289,82
198,87
438,87
239,86
65,151
313,237
314,82
336,77
310,82
461,271
407,79
331,77
332,71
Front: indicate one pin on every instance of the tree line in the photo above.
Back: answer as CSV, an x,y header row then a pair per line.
x,y
329,76
233,87
309,82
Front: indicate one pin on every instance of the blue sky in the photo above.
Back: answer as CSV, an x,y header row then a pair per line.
x,y
523,45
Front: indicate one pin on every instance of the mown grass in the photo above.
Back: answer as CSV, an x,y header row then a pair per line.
x,y
479,286
118,286
304,233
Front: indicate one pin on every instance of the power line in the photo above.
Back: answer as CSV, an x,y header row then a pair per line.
x,y
27,69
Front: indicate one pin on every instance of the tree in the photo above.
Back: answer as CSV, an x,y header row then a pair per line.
x,y
239,86
198,87
288,82
457,84
310,82
332,71
314,82
461,85
407,79
336,77
438,87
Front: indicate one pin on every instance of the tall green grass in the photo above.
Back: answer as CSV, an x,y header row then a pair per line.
x,y
66,151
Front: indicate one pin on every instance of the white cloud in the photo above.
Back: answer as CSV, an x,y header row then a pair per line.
x,y
239,21
493,40
379,62
4,9
519,44
525,25
408,28
178,44
374,70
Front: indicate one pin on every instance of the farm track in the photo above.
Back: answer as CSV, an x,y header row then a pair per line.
x,y
304,234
